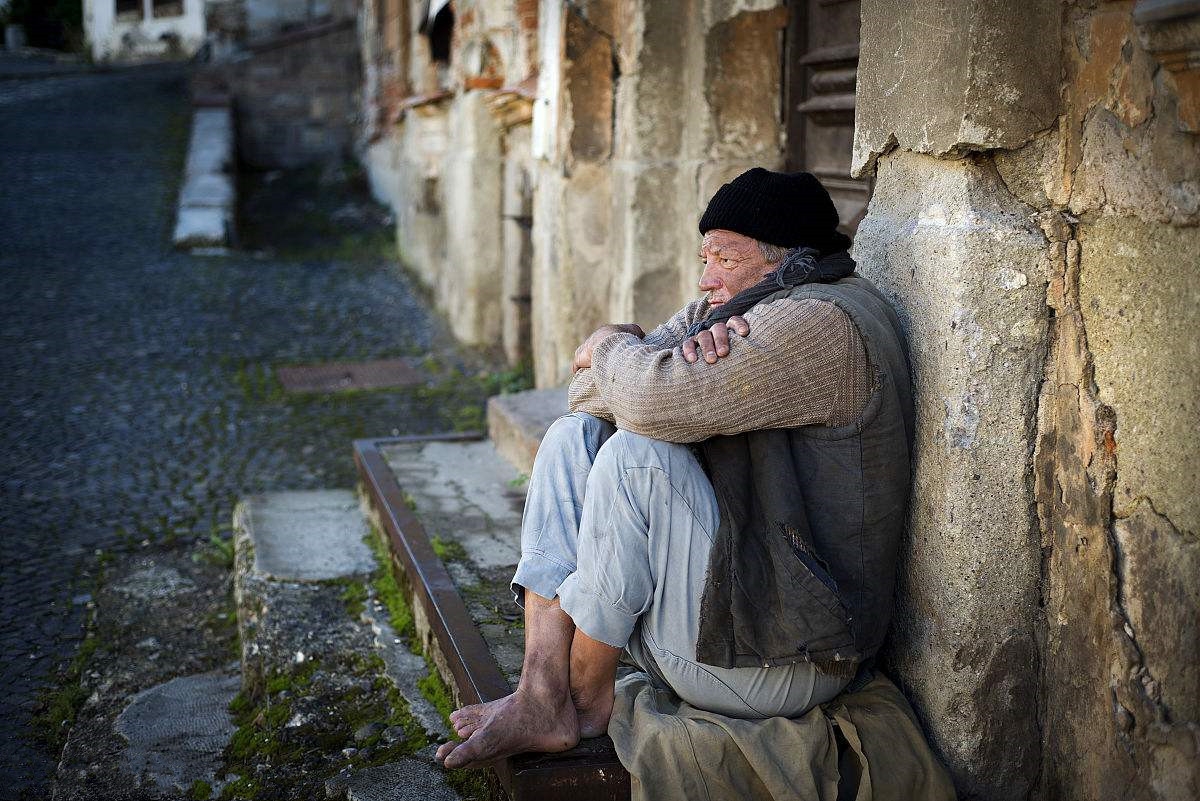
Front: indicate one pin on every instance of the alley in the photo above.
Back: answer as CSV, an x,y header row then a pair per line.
x,y
137,401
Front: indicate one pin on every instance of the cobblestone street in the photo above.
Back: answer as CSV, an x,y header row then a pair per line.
x,y
137,401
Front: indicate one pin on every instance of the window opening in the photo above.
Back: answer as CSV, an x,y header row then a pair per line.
x,y
167,8
441,32
128,10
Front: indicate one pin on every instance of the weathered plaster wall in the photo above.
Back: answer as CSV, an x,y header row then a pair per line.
x,y
435,142
966,267
657,104
1050,624
641,110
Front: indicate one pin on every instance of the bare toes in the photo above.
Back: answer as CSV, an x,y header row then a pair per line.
x,y
467,729
467,712
466,753
444,750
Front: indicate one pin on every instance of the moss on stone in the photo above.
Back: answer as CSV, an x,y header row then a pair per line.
x,y
388,589
448,550
200,790
355,598
435,691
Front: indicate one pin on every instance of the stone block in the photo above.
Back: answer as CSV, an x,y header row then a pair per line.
x,y
465,492
588,84
200,226
177,731
743,84
306,536
1141,308
944,77
1160,594
518,421
406,780
208,189
966,270
468,278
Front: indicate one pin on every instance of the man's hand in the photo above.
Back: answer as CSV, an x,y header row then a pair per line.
x,y
713,342
583,354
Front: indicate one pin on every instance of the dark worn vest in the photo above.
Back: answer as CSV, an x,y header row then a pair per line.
x,y
804,562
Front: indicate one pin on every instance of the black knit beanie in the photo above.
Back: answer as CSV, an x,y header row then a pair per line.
x,y
783,209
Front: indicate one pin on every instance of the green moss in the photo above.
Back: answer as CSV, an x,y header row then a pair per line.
x,y
448,550
388,590
242,787
435,691
61,704
258,383
218,550
200,790
474,785
355,598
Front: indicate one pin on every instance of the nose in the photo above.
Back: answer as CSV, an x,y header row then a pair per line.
x,y
708,279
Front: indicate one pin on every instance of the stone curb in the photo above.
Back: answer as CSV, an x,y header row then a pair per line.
x,y
289,547
206,201
517,422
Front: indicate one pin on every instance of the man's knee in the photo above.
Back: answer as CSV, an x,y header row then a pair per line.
x,y
625,450
578,431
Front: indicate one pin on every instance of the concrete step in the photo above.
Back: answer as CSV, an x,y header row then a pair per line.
x,y
452,511
516,423
315,637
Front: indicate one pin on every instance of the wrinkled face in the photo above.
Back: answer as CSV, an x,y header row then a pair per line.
x,y
732,262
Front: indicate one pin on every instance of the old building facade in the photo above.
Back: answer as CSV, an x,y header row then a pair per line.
x,y
1033,175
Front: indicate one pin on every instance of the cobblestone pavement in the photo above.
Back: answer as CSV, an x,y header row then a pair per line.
x,y
137,402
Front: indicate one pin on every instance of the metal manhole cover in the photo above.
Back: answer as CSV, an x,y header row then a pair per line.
x,y
338,376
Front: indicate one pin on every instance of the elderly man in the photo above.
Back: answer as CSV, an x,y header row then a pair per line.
x,y
725,501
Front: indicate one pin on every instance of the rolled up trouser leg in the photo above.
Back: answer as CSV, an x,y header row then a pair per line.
x,y
554,503
649,520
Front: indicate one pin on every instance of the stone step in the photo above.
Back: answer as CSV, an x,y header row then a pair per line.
x,y
307,613
452,511
516,422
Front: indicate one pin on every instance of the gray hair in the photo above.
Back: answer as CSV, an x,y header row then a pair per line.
x,y
773,253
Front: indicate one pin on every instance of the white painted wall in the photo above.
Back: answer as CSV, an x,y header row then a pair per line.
x,y
111,39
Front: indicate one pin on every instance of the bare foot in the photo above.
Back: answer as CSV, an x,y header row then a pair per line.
x,y
593,710
523,721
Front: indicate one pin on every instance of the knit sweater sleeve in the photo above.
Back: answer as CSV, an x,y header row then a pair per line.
x,y
803,363
582,395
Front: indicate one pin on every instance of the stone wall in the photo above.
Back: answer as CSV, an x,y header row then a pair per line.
x,y
445,142
296,96
586,127
1035,221
652,115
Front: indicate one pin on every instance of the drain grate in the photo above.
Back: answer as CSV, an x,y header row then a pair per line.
x,y
338,376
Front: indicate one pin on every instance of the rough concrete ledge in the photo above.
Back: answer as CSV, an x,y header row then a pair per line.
x,y
293,550
517,422
206,201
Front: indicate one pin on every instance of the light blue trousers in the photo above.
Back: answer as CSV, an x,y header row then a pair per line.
x,y
618,526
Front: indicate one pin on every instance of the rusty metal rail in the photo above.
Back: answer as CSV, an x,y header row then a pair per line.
x,y
588,772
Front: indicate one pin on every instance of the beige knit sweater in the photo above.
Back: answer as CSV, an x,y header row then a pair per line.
x,y
802,363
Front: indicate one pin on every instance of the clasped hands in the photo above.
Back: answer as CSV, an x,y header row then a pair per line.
x,y
710,344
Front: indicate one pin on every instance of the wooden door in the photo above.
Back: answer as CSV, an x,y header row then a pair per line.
x,y
821,62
